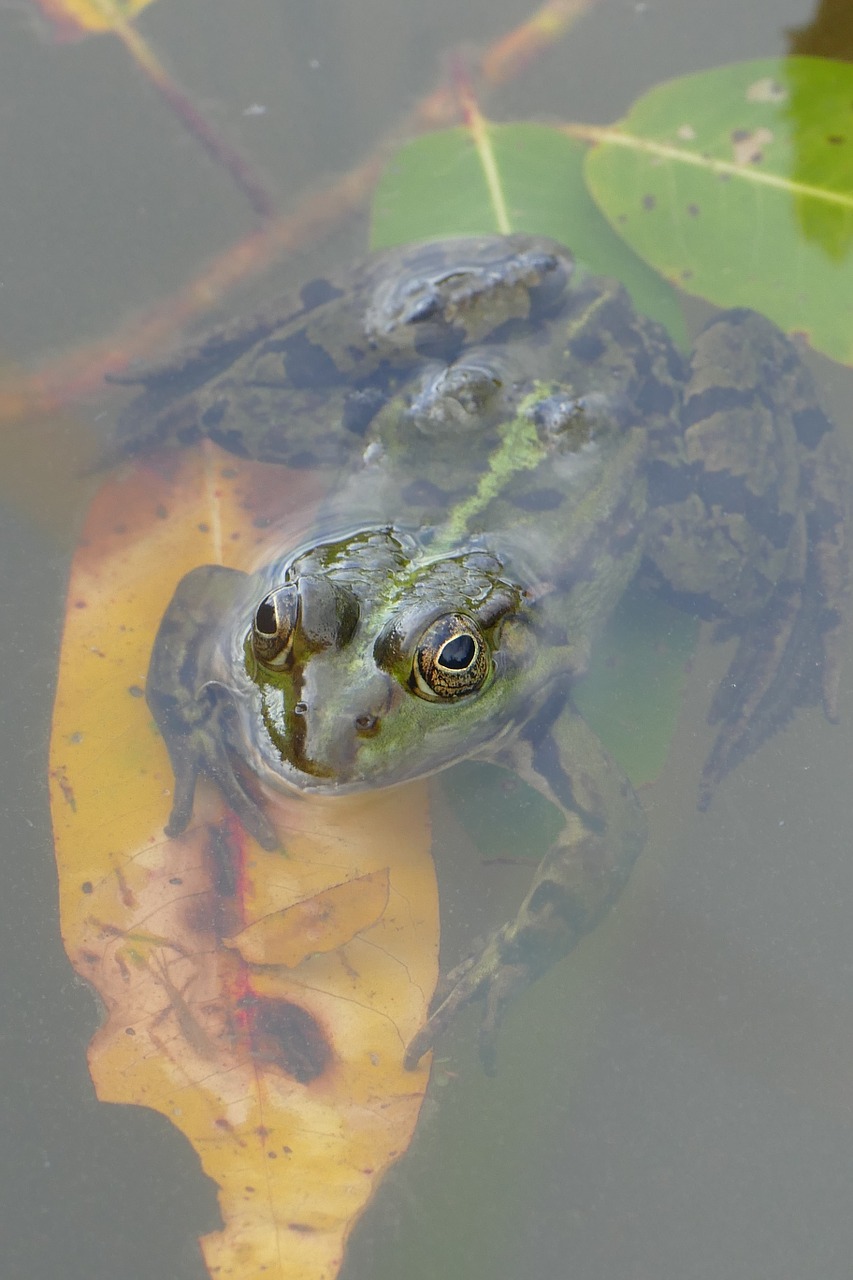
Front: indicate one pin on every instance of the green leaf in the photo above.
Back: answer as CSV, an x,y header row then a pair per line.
x,y
737,185
632,693
631,697
504,817
509,177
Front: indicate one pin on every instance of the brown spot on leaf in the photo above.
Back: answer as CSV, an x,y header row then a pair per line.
x,y
286,1036
766,90
649,202
747,145
66,788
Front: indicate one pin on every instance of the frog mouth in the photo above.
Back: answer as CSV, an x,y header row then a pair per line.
x,y
343,777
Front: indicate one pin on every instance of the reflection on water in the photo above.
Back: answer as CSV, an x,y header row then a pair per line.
x,y
673,1102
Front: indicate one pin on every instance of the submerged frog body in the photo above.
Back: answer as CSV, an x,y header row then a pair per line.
x,y
515,445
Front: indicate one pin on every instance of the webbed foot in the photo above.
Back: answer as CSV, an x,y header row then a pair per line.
x,y
196,755
489,975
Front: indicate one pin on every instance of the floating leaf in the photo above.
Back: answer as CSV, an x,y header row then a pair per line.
x,y
737,185
509,177
631,697
632,693
504,817
286,1074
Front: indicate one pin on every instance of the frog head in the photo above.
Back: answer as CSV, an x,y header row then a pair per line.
x,y
373,662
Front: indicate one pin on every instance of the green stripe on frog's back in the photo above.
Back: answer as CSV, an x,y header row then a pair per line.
x,y
601,345
520,450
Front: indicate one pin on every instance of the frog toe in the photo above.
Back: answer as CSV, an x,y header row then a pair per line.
x,y
235,795
485,975
186,776
196,757
502,990
786,658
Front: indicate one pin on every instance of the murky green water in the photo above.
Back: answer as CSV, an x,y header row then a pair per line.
x,y
674,1102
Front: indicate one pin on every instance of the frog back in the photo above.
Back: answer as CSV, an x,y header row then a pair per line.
x,y
302,381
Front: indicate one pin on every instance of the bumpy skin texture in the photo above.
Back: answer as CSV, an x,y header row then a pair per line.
x,y
515,445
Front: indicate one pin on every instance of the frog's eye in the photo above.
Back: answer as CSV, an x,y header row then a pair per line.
x,y
273,626
451,660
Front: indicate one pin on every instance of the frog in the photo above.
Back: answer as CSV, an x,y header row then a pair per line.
x,y
513,444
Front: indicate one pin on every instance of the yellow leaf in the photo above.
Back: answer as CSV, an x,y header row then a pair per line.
x,y
262,1001
323,922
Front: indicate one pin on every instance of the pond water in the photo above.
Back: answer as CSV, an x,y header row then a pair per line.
x,y
674,1101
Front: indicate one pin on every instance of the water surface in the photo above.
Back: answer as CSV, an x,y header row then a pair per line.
x,y
672,1103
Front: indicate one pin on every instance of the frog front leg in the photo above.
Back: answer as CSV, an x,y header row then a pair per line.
x,y
194,710
579,878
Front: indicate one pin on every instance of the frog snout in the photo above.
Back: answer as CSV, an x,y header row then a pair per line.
x,y
373,706
367,724
333,735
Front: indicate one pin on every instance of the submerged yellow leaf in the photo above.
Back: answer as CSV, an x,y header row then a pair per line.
x,y
322,922
285,1074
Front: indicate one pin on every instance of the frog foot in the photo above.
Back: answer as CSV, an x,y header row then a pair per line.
x,y
788,657
490,974
196,755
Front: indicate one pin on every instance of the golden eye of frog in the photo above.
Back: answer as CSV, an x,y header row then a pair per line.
x,y
514,443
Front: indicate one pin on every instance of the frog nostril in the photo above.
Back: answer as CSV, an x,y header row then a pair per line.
x,y
366,725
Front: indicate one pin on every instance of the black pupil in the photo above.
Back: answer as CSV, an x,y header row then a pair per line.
x,y
265,619
457,653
